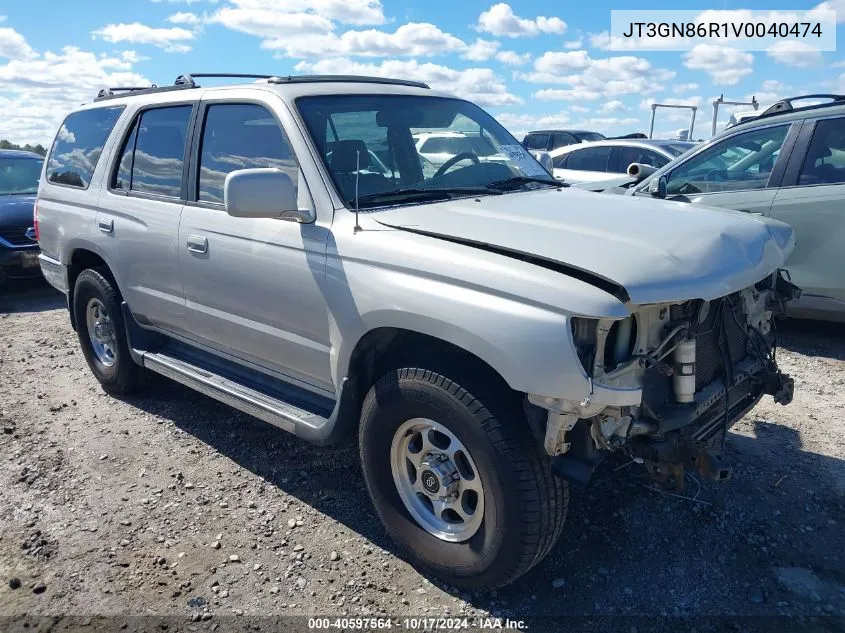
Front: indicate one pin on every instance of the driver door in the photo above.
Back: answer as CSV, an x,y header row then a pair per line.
x,y
741,172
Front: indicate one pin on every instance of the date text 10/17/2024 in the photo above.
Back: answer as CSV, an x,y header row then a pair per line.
x,y
420,623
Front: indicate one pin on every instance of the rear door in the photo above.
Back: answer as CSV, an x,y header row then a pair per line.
x,y
812,200
139,212
741,172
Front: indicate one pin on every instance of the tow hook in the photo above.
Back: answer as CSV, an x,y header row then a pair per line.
x,y
712,467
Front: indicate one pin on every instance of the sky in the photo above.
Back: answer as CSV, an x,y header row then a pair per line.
x,y
530,64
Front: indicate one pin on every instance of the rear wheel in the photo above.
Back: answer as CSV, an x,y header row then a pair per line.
x,y
460,484
101,332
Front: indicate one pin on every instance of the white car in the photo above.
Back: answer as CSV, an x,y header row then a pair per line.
x,y
601,160
440,147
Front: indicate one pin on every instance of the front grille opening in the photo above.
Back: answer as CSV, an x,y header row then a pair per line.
x,y
620,343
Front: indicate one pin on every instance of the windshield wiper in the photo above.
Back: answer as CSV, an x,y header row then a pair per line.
x,y
518,181
418,194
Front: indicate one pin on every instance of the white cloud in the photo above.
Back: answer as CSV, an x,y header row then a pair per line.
x,y
833,5
681,88
411,39
512,58
520,124
183,17
588,79
795,54
725,66
480,85
266,18
572,45
614,105
269,23
578,108
481,50
773,85
501,20
36,93
171,39
13,45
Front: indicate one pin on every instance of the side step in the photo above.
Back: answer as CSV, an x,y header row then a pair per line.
x,y
261,405
315,418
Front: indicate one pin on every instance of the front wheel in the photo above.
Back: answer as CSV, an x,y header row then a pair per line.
x,y
461,485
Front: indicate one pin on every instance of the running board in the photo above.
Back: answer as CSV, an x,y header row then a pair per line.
x,y
251,401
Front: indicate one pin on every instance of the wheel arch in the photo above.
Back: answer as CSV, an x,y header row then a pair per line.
x,y
79,259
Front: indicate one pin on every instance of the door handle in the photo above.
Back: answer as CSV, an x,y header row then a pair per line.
x,y
106,226
751,212
197,244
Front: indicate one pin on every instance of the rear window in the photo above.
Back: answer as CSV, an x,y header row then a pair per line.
x,y
78,146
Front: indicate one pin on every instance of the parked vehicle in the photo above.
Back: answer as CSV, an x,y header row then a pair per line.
x,y
787,163
602,160
548,140
438,148
19,172
488,333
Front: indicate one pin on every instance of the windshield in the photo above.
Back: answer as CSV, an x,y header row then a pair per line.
x,y
19,176
383,149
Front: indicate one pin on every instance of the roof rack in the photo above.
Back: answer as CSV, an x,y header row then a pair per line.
x,y
785,105
188,81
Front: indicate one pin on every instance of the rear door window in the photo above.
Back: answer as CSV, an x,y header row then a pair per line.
x,y
153,154
589,159
562,139
78,145
824,163
536,141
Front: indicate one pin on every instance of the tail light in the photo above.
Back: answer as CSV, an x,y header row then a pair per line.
x,y
35,220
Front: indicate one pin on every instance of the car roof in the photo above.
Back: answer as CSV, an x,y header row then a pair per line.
x,y
657,144
19,153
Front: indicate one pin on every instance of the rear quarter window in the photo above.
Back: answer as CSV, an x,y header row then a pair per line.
x,y
78,145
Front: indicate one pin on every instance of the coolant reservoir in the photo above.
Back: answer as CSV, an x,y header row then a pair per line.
x,y
683,377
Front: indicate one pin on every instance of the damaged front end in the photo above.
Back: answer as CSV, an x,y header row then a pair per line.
x,y
700,366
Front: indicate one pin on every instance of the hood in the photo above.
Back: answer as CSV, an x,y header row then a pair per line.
x,y
16,211
639,249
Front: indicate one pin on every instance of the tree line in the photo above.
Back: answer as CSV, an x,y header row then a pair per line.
x,y
38,149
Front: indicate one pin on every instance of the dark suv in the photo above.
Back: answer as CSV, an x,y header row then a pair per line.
x,y
547,140
19,174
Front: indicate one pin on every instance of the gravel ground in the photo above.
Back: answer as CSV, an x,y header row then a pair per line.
x,y
170,504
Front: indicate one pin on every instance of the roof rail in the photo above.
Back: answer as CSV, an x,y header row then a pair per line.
x,y
785,105
188,80
294,79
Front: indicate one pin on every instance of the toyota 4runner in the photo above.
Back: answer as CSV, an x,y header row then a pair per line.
x,y
488,333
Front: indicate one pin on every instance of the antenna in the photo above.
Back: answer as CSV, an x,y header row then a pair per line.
x,y
357,177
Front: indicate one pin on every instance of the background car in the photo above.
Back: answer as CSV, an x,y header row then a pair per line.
x,y
438,147
19,174
602,160
547,140
787,163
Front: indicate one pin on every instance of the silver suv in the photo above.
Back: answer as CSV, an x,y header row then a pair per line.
x,y
488,334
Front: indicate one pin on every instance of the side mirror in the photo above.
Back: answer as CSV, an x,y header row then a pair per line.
x,y
263,193
657,187
545,159
640,171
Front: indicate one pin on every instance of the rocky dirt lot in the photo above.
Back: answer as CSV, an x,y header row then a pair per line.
x,y
170,504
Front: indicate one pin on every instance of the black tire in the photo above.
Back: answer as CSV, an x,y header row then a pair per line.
x,y
525,504
124,376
